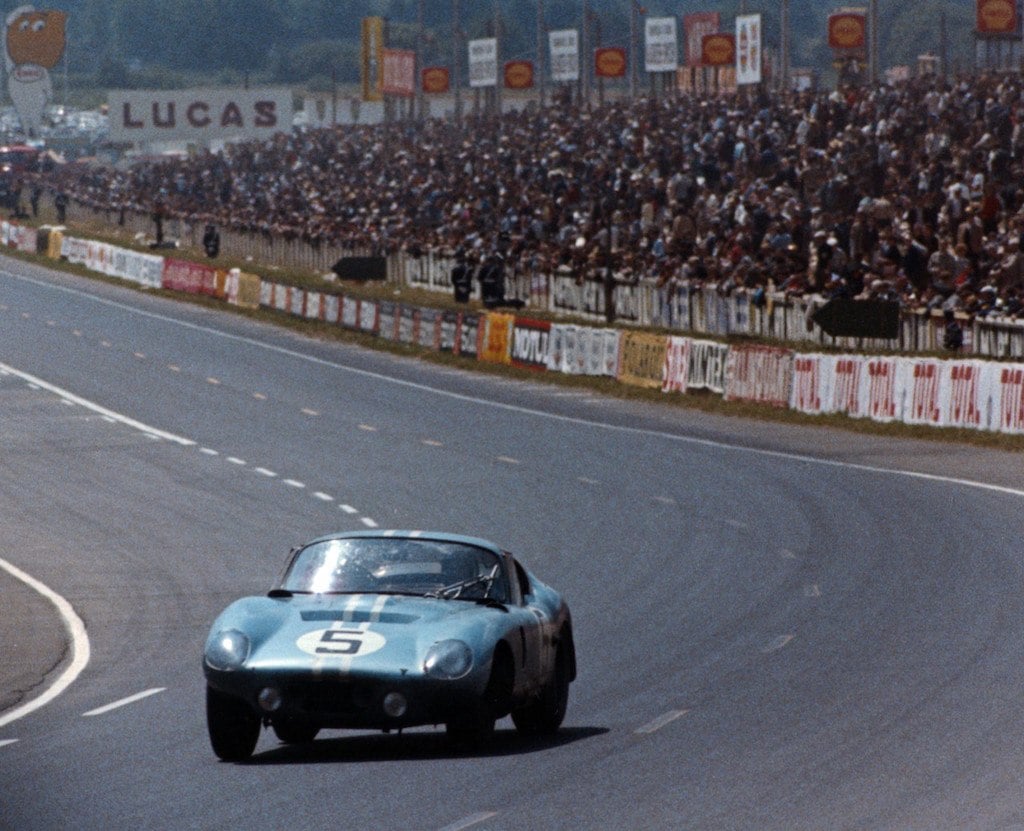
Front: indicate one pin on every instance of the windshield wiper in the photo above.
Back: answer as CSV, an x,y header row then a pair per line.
x,y
455,590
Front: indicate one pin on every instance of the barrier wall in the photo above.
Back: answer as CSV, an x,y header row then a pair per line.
x,y
963,393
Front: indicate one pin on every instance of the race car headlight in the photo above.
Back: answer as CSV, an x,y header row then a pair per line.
x,y
448,660
228,650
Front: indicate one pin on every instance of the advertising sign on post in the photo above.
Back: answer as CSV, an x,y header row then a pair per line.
x,y
661,50
748,49
697,27
483,62
399,72
996,17
565,55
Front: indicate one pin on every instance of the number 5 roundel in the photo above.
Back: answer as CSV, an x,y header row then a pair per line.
x,y
340,643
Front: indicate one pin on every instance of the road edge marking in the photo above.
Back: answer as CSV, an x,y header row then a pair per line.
x,y
79,645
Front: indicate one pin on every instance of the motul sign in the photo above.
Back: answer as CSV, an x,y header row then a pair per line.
x,y
718,50
847,31
997,17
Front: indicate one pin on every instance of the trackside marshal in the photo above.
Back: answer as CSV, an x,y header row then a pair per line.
x,y
198,115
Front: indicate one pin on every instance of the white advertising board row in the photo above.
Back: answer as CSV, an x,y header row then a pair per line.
x,y
979,395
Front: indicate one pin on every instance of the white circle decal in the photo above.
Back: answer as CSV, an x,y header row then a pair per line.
x,y
340,643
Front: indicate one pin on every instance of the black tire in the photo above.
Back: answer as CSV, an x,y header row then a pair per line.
x,y
544,715
476,725
233,726
292,731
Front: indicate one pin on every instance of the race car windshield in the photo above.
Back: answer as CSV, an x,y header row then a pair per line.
x,y
397,566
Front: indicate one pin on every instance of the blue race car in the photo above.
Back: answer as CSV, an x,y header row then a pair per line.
x,y
385,630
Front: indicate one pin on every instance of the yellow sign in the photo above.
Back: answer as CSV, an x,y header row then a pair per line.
x,y
497,340
642,359
371,64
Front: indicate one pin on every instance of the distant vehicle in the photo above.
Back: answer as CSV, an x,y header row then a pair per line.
x,y
18,158
387,630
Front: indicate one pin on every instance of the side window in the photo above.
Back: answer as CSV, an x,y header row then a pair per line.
x,y
524,581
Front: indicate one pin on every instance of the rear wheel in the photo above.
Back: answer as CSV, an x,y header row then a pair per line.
x,y
544,715
233,726
292,731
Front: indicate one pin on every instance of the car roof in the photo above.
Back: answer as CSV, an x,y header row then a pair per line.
x,y
432,536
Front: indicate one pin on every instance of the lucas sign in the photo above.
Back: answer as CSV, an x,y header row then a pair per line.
x,y
198,115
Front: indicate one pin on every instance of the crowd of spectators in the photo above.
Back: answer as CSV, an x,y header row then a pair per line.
x,y
912,192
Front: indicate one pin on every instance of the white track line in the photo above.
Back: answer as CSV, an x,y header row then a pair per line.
x,y
79,646
96,408
470,821
122,702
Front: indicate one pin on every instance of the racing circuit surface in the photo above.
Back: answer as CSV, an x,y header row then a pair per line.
x,y
777,627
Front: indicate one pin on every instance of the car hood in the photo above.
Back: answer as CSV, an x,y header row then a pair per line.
x,y
353,633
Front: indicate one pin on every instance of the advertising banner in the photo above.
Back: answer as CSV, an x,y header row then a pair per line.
x,y
881,395
719,50
1008,399
189,277
642,359
610,62
965,403
847,30
810,393
496,347
676,376
199,115
762,374
696,27
748,49
436,80
483,62
661,50
35,44
530,343
518,74
371,46
996,17
398,72
564,46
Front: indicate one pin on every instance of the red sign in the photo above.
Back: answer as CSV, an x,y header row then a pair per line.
x,y
696,27
436,79
399,71
997,17
519,75
718,50
847,30
610,62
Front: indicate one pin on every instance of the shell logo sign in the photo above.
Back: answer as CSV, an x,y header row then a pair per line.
x,y
518,75
436,79
847,31
997,17
35,43
610,62
718,50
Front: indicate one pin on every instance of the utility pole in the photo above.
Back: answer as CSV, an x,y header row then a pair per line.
x,y
499,81
418,59
873,48
456,60
541,74
634,57
784,57
584,51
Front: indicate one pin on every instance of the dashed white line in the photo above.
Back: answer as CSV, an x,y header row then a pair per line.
x,y
348,509
259,396
665,500
214,381
777,643
262,471
508,460
587,481
661,721
309,412
369,428
5,742
294,483
786,554
235,460
131,699
323,497
470,821
812,590
209,451
433,443
369,523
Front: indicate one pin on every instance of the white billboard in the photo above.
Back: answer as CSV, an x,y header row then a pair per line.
x,y
565,55
198,115
661,50
483,62
748,49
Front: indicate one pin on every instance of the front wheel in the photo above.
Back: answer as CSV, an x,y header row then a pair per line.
x,y
544,715
474,727
233,726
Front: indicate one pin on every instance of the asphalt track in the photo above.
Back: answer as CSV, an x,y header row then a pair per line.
x,y
778,628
